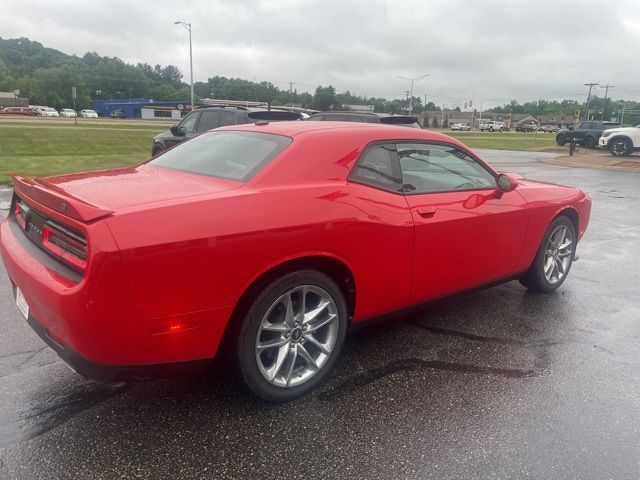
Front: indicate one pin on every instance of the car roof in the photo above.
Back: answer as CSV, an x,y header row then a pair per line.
x,y
367,132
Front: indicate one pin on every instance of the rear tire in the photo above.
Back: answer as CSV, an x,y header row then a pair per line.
x,y
554,258
589,142
292,336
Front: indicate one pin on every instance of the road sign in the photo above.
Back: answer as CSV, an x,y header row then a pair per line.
x,y
73,93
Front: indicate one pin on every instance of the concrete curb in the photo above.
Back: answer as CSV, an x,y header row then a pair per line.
x,y
592,162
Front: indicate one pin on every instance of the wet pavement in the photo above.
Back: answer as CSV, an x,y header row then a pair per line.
x,y
497,384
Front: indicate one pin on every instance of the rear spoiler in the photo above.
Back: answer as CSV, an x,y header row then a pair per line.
x,y
398,120
274,115
57,199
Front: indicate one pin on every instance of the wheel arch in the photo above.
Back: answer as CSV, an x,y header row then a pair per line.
x,y
573,215
621,137
333,267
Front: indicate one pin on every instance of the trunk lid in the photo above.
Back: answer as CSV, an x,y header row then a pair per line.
x,y
92,195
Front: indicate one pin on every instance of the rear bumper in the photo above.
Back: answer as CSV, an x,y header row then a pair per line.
x,y
112,373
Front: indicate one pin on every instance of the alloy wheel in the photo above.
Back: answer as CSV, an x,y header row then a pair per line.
x,y
296,336
558,254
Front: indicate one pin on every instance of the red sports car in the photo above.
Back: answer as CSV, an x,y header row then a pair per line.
x,y
271,240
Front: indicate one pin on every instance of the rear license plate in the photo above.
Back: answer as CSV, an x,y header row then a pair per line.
x,y
22,304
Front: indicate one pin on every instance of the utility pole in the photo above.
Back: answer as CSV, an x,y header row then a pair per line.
x,y
622,117
291,84
413,80
606,92
586,110
442,116
187,26
406,108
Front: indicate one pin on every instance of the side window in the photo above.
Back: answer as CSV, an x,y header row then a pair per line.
x,y
378,167
353,118
430,168
227,117
189,123
210,119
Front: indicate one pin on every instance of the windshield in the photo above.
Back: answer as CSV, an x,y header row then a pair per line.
x,y
232,155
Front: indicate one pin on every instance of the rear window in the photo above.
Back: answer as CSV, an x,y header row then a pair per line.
x,y
232,155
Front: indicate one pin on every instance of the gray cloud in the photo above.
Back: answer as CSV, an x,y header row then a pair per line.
x,y
490,50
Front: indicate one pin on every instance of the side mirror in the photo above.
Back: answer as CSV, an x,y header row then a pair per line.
x,y
506,183
570,127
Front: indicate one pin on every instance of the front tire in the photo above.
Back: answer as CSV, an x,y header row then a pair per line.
x,y
621,147
561,140
292,336
554,258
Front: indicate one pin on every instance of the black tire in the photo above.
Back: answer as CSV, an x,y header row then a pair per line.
x,y
589,142
534,278
157,148
249,328
621,147
561,140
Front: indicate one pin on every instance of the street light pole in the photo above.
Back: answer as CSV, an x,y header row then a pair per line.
x,y
188,27
413,80
606,93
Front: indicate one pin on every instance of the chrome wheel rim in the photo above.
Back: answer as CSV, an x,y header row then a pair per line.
x,y
296,336
558,254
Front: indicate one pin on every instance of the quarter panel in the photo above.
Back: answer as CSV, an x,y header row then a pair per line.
x,y
202,255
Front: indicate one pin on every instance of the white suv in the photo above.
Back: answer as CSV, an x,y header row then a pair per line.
x,y
621,141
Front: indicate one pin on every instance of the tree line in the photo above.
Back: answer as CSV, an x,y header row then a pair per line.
x,y
45,76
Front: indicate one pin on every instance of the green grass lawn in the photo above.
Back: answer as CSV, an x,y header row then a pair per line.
x,y
505,140
40,150
48,150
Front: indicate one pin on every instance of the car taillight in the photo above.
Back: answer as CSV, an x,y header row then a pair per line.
x,y
18,211
65,244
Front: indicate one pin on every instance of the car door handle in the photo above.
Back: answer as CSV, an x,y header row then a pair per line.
x,y
426,212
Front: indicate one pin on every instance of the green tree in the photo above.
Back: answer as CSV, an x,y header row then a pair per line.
x,y
325,99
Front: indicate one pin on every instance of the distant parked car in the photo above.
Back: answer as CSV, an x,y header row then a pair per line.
x,y
208,118
68,112
461,127
18,111
548,128
87,113
584,133
385,118
526,127
621,141
50,112
118,114
493,126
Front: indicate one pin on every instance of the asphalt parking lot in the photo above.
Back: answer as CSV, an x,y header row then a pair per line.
x,y
498,384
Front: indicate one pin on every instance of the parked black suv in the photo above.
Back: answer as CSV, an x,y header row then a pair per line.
x,y
118,114
207,118
367,117
526,127
584,133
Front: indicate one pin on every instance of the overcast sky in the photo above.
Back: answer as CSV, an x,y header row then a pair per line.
x,y
480,50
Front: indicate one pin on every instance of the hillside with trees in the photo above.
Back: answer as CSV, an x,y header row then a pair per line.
x,y
45,76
